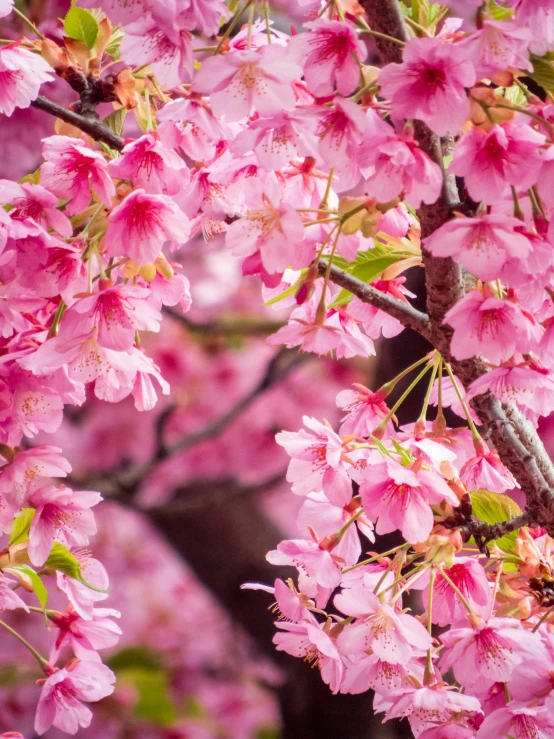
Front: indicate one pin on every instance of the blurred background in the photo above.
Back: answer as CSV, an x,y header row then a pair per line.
x,y
180,534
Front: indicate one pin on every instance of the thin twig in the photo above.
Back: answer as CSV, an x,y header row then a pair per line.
x,y
92,126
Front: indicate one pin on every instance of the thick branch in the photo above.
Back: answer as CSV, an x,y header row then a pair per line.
x,y
88,124
408,316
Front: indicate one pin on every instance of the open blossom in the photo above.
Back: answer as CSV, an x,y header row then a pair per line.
x,y
341,131
85,636
24,473
489,651
62,515
538,17
364,410
470,579
393,164
399,498
244,80
497,46
485,471
483,245
60,699
329,54
318,461
6,7
430,84
9,600
34,201
523,722
277,140
394,637
116,313
490,161
142,224
71,169
163,45
21,75
273,227
318,571
491,327
191,126
150,165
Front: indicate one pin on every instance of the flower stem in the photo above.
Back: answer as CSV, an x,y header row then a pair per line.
x,y
231,27
423,414
474,433
383,425
25,643
375,558
29,23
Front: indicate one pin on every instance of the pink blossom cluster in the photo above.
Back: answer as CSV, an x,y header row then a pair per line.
x,y
299,156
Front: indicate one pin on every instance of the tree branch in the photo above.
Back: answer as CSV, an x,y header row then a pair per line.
x,y
88,124
405,313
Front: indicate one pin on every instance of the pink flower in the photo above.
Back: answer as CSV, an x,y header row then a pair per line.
x,y
426,706
329,54
398,498
318,461
21,75
489,161
63,271
163,45
244,80
277,140
523,722
365,410
483,245
34,201
10,600
341,131
148,164
61,515
485,471
394,637
115,313
71,169
393,164
59,703
497,46
430,84
191,126
368,672
6,7
272,226
85,637
532,388
21,475
491,327
314,645
316,566
326,519
470,578
448,731
538,17
28,406
489,652
141,224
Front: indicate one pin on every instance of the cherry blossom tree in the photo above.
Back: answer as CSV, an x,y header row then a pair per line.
x,y
375,149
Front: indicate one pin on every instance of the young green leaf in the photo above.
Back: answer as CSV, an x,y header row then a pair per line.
x,y
21,526
38,586
496,508
80,24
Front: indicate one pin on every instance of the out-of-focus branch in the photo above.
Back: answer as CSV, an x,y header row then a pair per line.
x,y
88,124
122,485
225,327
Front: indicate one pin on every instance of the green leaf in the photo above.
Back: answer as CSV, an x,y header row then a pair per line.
x,y
131,657
112,153
38,586
21,526
268,732
154,703
61,560
498,12
81,25
495,508
515,95
115,120
405,454
112,47
543,72
368,267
